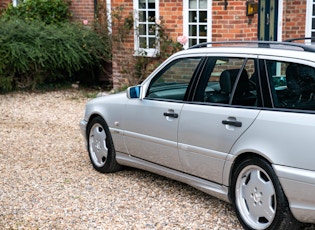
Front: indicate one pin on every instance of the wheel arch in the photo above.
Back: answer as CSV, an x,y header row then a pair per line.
x,y
92,116
239,158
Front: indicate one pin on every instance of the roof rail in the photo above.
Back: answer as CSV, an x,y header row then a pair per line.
x,y
300,39
264,44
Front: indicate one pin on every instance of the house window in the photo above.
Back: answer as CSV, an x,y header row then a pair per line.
x,y
146,14
197,22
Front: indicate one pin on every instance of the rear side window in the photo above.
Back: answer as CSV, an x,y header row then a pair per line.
x,y
292,85
230,81
173,81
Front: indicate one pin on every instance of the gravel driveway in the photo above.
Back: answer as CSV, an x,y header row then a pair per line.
x,y
47,181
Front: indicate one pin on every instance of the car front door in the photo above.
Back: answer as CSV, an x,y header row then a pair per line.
x,y
151,123
226,104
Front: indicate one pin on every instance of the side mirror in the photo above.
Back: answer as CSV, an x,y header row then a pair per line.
x,y
134,92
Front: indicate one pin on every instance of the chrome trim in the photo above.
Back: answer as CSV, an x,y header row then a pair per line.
x,y
147,138
213,189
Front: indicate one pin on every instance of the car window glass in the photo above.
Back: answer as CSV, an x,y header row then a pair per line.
x,y
292,84
227,72
173,81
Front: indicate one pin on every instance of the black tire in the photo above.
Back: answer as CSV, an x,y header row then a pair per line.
x,y
258,198
101,147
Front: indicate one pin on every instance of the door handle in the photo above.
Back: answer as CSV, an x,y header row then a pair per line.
x,y
174,115
233,123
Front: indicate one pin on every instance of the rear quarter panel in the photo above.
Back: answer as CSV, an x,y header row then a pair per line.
x,y
284,138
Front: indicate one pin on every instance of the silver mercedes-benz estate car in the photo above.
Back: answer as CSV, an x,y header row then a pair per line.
x,y
235,121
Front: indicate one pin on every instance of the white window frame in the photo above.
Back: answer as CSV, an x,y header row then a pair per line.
x,y
149,52
186,21
309,16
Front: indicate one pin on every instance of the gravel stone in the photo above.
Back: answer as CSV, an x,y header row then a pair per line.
x,y
48,182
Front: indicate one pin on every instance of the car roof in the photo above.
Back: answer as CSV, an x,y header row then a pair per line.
x,y
276,49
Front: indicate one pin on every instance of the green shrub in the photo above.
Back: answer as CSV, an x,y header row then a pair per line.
x,y
48,11
34,54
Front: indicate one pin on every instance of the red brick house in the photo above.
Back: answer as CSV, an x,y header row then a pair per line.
x,y
197,20
213,20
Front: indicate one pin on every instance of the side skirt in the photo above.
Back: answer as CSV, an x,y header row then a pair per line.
x,y
213,189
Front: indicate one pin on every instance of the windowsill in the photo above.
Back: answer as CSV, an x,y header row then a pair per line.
x,y
146,52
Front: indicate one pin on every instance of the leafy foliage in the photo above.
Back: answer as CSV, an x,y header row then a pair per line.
x,y
47,11
33,54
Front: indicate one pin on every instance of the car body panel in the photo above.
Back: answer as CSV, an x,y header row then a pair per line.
x,y
149,134
110,108
204,142
299,187
284,138
206,186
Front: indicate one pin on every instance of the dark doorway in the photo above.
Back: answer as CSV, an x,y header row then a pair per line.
x,y
268,20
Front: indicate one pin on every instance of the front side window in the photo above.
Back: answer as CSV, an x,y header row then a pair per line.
x,y
197,22
230,81
292,85
146,15
173,81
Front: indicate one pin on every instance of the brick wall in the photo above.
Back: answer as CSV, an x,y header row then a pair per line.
x,y
4,3
82,10
294,16
232,23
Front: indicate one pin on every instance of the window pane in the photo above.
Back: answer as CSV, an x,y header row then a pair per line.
x,y
142,16
152,29
173,81
192,30
151,4
151,16
152,43
293,85
142,29
203,4
192,16
142,4
203,16
143,42
203,31
226,75
192,4
192,42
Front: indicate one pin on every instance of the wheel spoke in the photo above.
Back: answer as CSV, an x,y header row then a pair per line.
x,y
98,146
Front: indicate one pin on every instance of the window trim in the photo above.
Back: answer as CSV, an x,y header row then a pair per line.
x,y
308,19
148,52
186,21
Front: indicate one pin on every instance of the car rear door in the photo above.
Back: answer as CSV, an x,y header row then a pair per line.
x,y
210,126
151,123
